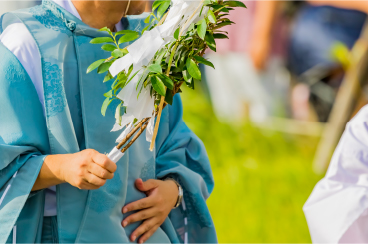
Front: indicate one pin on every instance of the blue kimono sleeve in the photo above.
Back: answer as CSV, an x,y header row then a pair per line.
x,y
23,144
181,154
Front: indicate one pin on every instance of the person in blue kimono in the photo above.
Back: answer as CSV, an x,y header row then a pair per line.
x,y
56,183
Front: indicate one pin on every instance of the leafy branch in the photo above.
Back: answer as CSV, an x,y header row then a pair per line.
x,y
172,66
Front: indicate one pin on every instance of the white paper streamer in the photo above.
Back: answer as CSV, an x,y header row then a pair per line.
x,y
115,155
149,129
125,133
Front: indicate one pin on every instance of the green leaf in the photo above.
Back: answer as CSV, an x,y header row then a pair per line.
x,y
106,29
203,61
125,51
167,81
222,24
235,4
220,36
124,32
193,69
95,65
176,34
158,85
169,97
107,77
160,56
108,94
187,76
156,4
201,29
162,9
211,16
210,41
218,7
155,68
145,28
147,20
104,67
206,2
191,27
117,53
190,85
99,40
128,37
108,47
105,104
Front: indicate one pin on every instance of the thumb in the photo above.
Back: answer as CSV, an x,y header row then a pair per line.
x,y
145,185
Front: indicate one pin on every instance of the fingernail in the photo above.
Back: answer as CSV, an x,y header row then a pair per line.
x,y
125,210
125,223
133,238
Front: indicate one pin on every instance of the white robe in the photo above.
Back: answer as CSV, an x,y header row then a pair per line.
x,y
337,210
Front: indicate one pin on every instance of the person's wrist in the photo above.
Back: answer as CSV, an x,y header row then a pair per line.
x,y
58,163
175,191
179,192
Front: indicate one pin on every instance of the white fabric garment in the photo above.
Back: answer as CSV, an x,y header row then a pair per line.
x,y
337,210
20,42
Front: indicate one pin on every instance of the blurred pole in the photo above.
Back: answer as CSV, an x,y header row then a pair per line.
x,y
7,6
345,103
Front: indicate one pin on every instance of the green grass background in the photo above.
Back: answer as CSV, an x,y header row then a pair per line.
x,y
262,178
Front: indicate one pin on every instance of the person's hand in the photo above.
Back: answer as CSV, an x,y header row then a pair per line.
x,y
87,170
259,51
154,209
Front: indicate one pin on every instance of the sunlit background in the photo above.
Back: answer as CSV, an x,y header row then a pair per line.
x,y
264,108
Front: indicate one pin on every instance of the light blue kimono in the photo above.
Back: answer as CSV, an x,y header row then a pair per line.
x,y
74,122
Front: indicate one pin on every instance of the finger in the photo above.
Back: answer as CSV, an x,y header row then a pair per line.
x,y
146,185
84,185
143,228
99,171
94,180
140,204
104,162
140,215
148,234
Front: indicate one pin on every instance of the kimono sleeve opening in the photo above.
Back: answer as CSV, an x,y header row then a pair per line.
x,y
23,144
181,155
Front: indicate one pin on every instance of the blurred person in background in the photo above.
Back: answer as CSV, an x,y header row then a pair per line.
x,y
246,92
317,27
337,209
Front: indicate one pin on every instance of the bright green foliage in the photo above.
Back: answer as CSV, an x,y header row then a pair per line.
x,y
167,81
128,37
162,9
100,40
220,36
262,178
173,65
95,65
193,69
108,47
204,61
158,85
211,17
155,68
201,28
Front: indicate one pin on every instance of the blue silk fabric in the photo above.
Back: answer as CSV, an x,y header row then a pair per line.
x,y
74,122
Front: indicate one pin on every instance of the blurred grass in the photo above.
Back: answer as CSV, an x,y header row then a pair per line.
x,y
262,178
